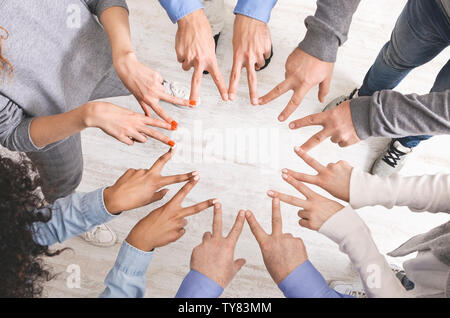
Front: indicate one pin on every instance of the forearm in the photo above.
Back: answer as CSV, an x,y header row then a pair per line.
x,y
328,28
117,26
429,193
49,129
391,114
349,231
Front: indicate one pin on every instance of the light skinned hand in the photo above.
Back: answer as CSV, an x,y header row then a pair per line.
x,y
214,257
137,188
337,123
334,178
303,72
124,124
166,224
195,48
315,209
251,46
282,253
146,85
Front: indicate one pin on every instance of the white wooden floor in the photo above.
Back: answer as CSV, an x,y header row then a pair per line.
x,y
241,183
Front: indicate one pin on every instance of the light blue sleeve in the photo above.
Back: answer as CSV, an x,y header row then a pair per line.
x,y
128,276
176,9
306,282
197,285
71,216
256,9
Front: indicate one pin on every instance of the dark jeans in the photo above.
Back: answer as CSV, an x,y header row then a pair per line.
x,y
422,31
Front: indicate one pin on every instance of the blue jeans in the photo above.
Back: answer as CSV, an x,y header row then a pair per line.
x,y
421,33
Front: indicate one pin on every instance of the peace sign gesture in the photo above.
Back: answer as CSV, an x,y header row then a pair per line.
x,y
282,253
166,224
214,257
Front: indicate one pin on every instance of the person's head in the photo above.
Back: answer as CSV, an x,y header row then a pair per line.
x,y
22,270
5,65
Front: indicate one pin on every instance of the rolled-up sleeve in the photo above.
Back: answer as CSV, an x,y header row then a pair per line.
x,y
256,9
176,9
97,7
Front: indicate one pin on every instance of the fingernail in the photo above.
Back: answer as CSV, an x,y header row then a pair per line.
x,y
292,125
270,193
174,125
281,118
215,201
171,143
284,170
225,96
231,96
196,178
241,213
297,148
255,101
192,102
248,213
284,176
195,173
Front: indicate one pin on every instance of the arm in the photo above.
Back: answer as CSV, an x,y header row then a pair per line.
x,y
71,216
328,28
383,114
352,235
419,193
256,9
128,276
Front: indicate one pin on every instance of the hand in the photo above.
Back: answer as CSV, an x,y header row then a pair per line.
x,y
124,124
146,85
166,224
337,123
303,71
214,257
316,209
282,253
251,46
334,178
195,48
137,188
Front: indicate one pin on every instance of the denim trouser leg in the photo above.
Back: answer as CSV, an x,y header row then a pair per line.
x,y
421,33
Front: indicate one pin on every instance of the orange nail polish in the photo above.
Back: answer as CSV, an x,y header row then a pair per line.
x,y
174,125
171,143
192,102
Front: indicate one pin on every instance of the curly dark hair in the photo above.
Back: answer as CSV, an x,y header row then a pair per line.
x,y
22,270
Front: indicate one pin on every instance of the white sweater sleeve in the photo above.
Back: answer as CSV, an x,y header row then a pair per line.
x,y
423,193
353,236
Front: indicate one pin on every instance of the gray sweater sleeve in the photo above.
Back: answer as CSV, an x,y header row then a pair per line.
x,y
328,28
98,6
391,114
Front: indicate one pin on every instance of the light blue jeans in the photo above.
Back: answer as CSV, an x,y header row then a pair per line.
x,y
422,31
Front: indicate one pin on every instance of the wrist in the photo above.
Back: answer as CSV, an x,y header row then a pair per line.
x,y
109,198
134,240
190,18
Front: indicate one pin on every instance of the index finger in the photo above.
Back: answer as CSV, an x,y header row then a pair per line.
x,y
217,220
173,99
255,227
158,110
197,208
313,163
315,140
184,191
234,77
276,92
161,161
310,120
218,79
277,223
252,83
294,102
236,230
195,85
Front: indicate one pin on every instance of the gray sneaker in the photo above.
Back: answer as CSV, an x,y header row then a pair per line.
x,y
349,289
392,160
338,100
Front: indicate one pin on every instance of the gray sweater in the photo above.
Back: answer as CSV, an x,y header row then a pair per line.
x,y
61,58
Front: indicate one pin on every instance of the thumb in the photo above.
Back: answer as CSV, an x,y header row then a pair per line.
x,y
324,88
158,195
238,264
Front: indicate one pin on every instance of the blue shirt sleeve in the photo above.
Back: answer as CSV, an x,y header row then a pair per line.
x,y
176,9
197,285
306,282
128,276
256,9
71,216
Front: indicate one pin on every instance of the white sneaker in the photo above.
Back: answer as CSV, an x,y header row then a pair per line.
x,y
101,235
178,90
338,100
392,160
349,289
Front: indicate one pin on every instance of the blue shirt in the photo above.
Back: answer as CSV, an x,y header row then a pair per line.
x,y
256,9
